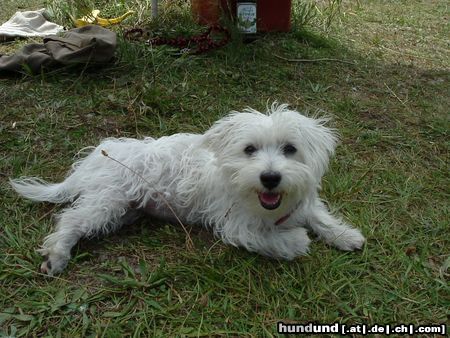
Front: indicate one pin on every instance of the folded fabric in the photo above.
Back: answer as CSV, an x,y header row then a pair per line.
x,y
29,24
88,44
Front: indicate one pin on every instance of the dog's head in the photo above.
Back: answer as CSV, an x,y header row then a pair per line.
x,y
272,160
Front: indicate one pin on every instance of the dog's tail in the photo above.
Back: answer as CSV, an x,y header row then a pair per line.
x,y
39,190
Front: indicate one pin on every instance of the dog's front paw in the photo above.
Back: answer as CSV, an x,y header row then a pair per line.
x,y
288,244
349,239
53,263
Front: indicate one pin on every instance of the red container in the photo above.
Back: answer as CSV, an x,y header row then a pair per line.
x,y
206,12
272,15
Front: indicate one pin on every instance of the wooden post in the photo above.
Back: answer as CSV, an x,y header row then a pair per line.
x,y
154,9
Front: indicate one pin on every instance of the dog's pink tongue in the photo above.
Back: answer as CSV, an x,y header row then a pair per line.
x,y
269,197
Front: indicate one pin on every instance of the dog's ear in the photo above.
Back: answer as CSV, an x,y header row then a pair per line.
x,y
227,132
319,143
216,137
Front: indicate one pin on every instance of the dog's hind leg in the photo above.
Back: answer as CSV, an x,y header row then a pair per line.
x,y
333,230
88,216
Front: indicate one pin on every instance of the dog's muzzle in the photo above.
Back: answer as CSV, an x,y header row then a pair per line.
x,y
270,179
269,200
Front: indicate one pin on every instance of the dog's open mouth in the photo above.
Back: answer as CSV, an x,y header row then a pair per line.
x,y
269,200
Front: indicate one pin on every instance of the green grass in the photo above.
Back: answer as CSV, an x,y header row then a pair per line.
x,y
389,178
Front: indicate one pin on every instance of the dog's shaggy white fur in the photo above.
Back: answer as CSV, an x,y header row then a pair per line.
x,y
252,177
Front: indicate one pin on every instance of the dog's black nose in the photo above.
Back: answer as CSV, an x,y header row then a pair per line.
x,y
270,179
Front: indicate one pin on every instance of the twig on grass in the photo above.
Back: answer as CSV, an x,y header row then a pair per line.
x,y
189,243
403,102
40,218
314,60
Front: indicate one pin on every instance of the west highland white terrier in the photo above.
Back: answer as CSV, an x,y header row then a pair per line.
x,y
253,178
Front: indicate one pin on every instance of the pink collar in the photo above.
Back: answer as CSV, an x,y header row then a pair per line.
x,y
280,220
285,217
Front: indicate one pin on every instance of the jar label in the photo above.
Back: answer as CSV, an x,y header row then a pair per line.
x,y
246,17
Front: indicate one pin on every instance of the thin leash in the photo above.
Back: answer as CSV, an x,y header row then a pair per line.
x,y
215,37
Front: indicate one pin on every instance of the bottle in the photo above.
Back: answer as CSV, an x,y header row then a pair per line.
x,y
246,18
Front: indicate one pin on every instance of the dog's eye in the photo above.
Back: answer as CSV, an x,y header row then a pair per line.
x,y
289,149
250,149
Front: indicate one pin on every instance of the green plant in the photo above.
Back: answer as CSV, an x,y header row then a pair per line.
x,y
316,13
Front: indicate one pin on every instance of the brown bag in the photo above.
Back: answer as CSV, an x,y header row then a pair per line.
x,y
85,45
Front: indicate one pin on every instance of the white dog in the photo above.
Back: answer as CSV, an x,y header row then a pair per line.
x,y
252,177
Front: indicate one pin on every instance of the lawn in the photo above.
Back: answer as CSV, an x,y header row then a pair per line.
x,y
387,90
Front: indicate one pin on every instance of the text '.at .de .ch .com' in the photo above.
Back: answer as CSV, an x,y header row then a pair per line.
x,y
361,329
